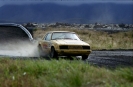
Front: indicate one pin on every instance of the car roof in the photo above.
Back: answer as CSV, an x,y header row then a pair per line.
x,y
60,32
9,24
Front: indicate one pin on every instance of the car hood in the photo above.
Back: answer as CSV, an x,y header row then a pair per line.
x,y
71,42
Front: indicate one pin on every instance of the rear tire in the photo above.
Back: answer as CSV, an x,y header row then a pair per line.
x,y
84,57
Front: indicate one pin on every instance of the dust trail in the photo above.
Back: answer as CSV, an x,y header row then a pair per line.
x,y
19,48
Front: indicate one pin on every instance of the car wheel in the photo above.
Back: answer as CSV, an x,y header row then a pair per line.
x,y
53,53
84,57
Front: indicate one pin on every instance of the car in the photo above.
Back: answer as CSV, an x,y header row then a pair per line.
x,y
63,43
13,31
16,40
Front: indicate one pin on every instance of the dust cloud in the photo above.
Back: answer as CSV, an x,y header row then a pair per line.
x,y
19,48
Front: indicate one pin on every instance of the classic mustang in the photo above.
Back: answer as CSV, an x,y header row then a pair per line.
x,y
63,43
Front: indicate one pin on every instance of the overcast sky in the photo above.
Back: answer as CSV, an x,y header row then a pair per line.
x,y
64,2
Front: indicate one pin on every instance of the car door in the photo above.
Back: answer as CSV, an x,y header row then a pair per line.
x,y
46,43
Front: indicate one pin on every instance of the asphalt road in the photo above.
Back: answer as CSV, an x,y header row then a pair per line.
x,y
111,58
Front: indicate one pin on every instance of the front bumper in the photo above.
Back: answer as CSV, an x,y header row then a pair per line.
x,y
73,52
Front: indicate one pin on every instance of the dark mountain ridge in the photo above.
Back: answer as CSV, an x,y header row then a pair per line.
x,y
85,13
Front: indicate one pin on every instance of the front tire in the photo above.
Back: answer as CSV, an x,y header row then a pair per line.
x,y
53,53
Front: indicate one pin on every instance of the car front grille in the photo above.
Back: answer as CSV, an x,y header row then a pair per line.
x,y
86,47
74,47
63,47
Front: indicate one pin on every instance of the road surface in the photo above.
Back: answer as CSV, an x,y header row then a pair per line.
x,y
102,58
111,58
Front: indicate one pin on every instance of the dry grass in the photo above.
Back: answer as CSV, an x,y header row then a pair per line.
x,y
97,39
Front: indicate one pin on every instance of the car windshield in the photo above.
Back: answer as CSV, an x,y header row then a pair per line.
x,y
64,35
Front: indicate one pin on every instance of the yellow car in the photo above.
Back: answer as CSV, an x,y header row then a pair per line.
x,y
63,43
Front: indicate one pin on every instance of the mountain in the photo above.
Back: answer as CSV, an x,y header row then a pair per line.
x,y
85,13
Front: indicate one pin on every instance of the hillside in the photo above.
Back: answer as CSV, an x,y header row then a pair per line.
x,y
49,13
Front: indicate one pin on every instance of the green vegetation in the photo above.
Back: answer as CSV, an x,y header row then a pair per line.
x,y
97,39
61,73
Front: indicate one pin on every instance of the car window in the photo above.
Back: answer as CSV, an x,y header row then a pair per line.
x,y
48,37
65,35
58,36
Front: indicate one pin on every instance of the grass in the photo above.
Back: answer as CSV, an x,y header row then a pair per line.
x,y
97,39
61,73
